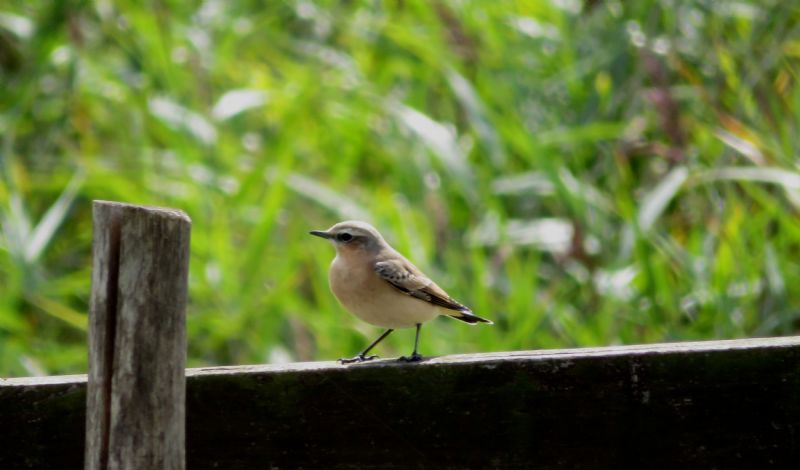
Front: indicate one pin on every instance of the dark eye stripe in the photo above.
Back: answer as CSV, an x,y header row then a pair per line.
x,y
344,237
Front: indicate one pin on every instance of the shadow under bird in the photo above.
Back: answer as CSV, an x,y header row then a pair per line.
x,y
381,287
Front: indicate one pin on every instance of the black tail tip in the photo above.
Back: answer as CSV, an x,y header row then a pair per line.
x,y
469,317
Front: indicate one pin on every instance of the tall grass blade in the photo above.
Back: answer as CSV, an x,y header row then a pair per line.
x,y
46,228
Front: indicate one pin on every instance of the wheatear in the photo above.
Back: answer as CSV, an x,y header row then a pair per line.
x,y
378,285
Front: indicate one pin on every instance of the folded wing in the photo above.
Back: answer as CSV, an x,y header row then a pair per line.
x,y
409,280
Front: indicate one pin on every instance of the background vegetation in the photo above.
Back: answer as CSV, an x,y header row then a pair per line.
x,y
584,173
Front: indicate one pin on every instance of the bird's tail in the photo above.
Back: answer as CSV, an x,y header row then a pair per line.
x,y
467,316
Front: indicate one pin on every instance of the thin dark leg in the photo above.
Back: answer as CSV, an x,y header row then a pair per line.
x,y
380,338
362,356
415,356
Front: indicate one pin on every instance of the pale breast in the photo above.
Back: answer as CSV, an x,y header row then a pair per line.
x,y
364,294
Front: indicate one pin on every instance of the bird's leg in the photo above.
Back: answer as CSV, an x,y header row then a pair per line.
x,y
362,356
415,356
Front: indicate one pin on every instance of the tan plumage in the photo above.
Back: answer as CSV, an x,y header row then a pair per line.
x,y
408,279
380,286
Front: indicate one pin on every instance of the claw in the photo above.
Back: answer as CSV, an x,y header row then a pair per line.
x,y
359,358
416,357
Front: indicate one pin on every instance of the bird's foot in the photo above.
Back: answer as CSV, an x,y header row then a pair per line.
x,y
359,358
416,357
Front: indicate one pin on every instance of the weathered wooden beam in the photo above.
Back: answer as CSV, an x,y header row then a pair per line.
x,y
723,404
137,338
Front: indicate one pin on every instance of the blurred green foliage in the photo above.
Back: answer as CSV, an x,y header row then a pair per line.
x,y
584,173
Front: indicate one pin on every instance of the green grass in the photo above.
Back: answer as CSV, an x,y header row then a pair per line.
x,y
584,176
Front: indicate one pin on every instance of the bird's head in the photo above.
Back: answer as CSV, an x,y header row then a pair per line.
x,y
351,236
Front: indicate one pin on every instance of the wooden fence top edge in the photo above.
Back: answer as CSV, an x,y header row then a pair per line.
x,y
167,212
45,380
488,358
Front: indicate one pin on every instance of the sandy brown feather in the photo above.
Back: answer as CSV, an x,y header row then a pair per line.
x,y
408,279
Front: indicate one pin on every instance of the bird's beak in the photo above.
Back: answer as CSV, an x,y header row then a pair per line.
x,y
321,234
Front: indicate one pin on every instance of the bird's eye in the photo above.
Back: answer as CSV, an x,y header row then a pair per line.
x,y
344,237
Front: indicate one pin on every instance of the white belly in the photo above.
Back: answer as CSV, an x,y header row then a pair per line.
x,y
364,294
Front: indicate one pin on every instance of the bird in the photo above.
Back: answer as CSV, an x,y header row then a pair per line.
x,y
380,286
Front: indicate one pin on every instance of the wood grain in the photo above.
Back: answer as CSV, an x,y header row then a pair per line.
x,y
137,338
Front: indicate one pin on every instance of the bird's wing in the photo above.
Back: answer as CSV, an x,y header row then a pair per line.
x,y
406,278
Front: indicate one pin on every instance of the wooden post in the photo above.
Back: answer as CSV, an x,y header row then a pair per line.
x,y
137,338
